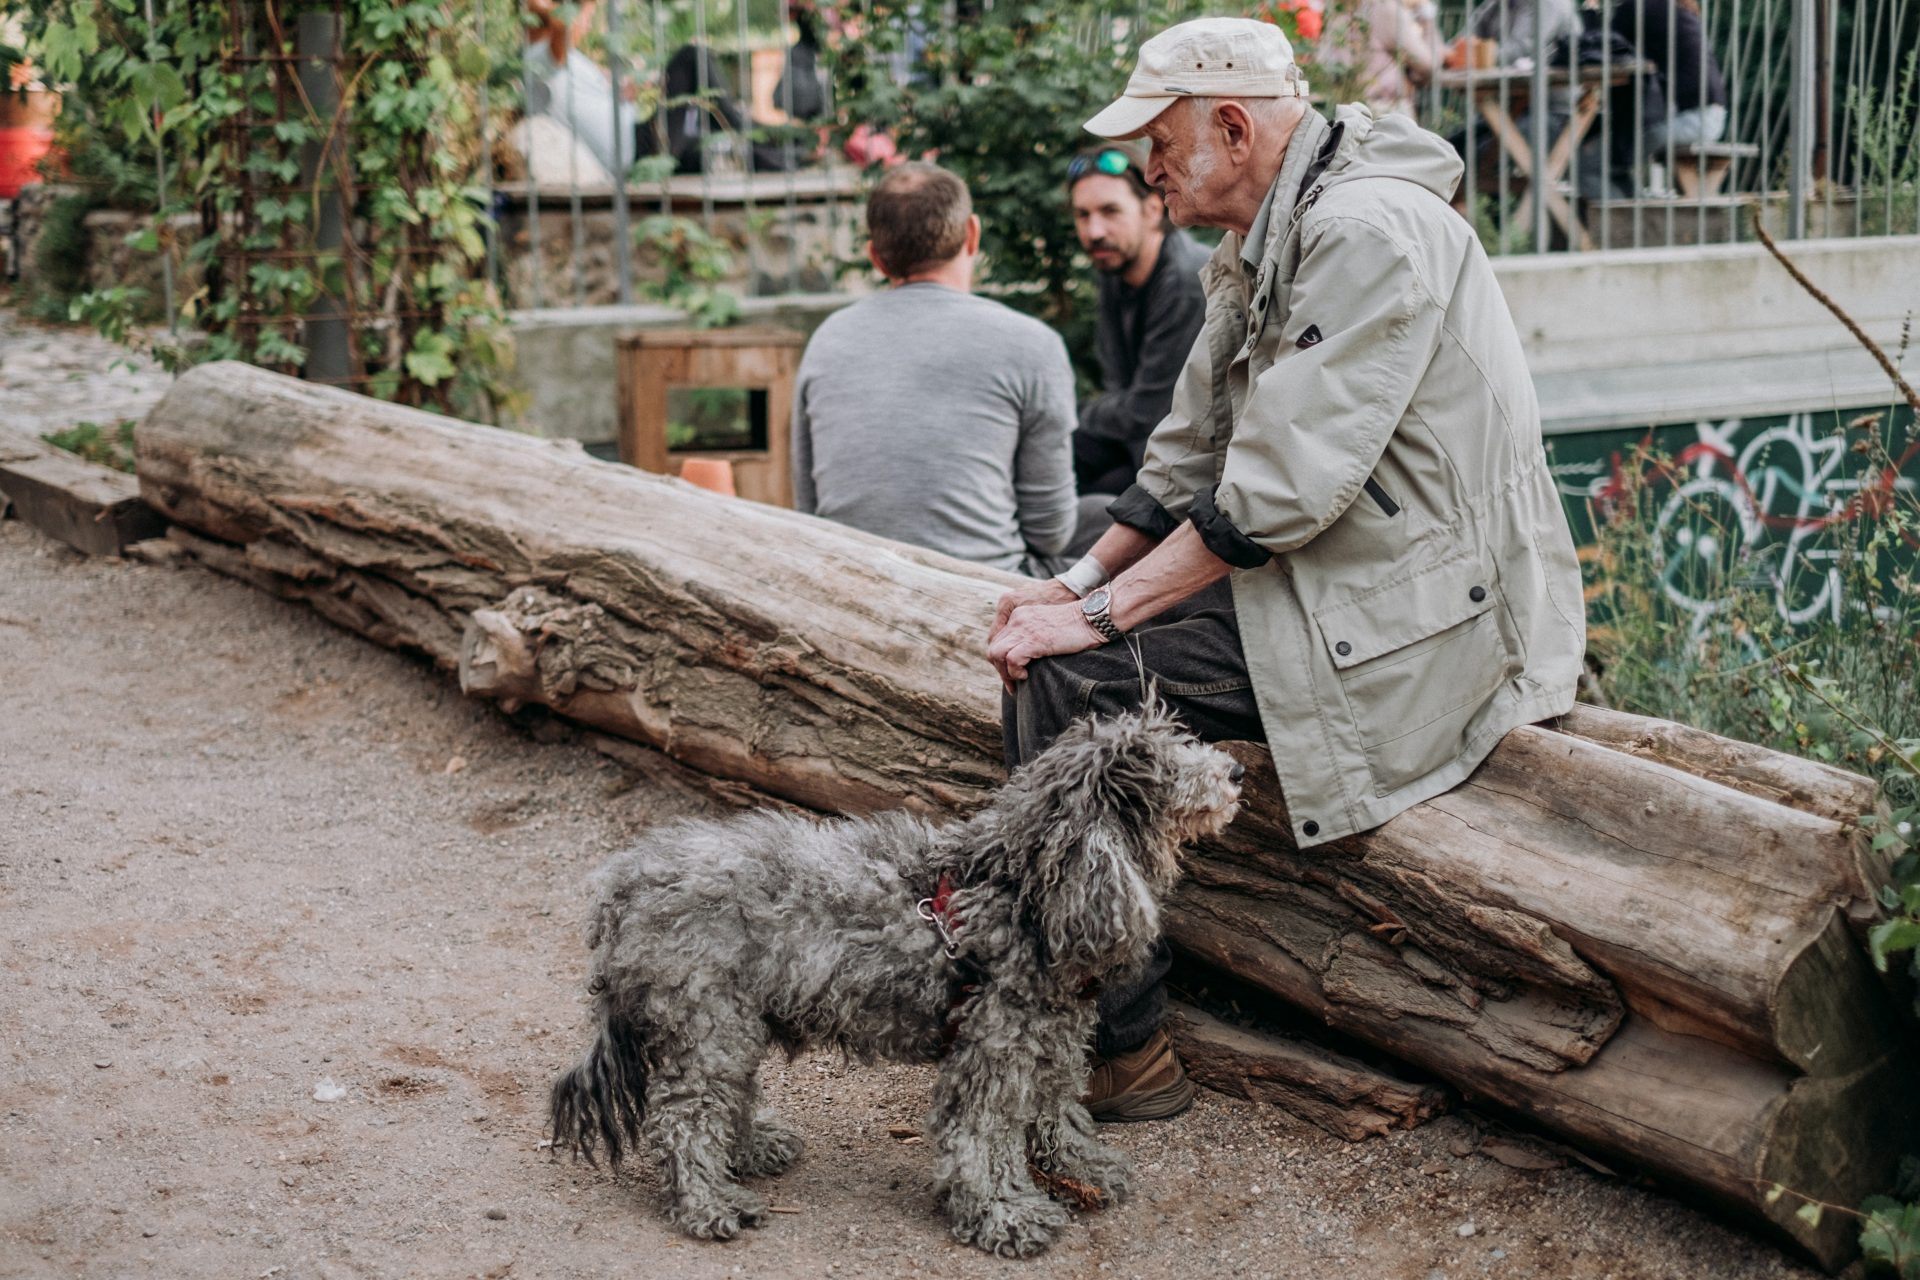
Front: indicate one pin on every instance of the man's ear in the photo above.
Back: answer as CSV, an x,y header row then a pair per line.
x,y
1235,126
873,256
973,235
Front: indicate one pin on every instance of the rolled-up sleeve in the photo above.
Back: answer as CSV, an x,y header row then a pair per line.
x,y
1317,421
1043,466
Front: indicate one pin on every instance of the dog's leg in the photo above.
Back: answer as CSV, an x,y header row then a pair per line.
x,y
1064,1145
982,1171
1062,1140
694,1098
763,1144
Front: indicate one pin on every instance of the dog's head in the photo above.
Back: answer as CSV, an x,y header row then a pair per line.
x,y
1091,830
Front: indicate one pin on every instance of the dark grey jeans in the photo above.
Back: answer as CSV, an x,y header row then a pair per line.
x,y
1191,655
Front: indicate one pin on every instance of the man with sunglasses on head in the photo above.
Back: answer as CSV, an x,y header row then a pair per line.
x,y
1151,307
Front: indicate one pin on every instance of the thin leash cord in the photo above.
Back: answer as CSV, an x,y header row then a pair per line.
x,y
1139,665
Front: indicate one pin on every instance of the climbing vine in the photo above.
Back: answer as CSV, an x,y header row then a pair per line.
x,y
291,223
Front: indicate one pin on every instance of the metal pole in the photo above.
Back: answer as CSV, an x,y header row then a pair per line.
x,y
329,350
1542,109
160,174
623,158
746,145
536,249
486,151
1800,125
787,154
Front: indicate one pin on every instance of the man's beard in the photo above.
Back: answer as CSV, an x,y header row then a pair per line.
x,y
1125,265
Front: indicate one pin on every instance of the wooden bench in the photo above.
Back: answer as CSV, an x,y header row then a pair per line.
x,y
1702,170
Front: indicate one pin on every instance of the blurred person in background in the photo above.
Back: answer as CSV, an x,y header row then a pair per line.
x,y
1150,310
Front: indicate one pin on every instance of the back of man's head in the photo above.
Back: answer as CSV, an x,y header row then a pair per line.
x,y
917,219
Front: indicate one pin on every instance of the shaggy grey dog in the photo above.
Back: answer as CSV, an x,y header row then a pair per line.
x,y
713,940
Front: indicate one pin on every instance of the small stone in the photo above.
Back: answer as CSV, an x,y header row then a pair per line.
x,y
328,1091
455,765
103,1063
497,1215
1496,1254
1465,1229
149,1232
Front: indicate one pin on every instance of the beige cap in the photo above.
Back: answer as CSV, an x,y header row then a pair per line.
x,y
1205,58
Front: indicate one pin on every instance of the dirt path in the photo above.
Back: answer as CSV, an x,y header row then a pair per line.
x,y
238,856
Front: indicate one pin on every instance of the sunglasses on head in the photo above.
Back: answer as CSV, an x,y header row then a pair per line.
x,y
1112,162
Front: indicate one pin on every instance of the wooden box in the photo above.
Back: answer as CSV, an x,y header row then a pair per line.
x,y
757,365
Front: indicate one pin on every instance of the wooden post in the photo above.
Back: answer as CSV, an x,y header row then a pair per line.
x,y
762,361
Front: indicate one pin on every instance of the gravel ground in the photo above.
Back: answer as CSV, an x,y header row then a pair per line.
x,y
243,853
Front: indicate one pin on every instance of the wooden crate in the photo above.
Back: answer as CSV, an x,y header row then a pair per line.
x,y
652,362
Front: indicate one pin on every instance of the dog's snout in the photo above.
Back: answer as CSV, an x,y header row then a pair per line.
x,y
1237,772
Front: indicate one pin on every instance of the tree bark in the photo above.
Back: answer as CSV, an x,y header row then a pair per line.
x,y
1635,934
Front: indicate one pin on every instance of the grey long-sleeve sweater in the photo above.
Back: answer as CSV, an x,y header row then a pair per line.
x,y
938,418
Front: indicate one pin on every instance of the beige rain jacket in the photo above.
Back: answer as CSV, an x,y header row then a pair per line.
x,y
1356,432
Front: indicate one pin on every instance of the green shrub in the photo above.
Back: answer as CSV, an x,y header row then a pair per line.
x,y
108,446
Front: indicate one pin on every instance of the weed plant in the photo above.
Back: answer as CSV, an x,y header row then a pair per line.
x,y
1688,598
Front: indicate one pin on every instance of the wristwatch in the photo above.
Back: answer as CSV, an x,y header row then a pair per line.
x,y
1096,610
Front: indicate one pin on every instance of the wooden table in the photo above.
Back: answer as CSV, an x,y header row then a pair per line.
x,y
1501,93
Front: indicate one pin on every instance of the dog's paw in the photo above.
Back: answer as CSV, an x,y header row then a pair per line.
x,y
770,1148
1100,1170
723,1218
1013,1228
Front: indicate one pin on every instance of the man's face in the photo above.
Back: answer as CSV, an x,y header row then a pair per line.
x,y
1184,161
1112,222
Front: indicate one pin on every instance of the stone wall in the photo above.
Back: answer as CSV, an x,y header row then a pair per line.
x,y
786,237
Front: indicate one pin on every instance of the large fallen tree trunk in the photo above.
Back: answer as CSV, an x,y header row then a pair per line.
x,y
1642,936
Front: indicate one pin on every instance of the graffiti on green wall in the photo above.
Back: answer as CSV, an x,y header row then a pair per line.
x,y
1769,504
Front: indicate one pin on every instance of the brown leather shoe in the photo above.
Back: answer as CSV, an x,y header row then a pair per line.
x,y
1147,1083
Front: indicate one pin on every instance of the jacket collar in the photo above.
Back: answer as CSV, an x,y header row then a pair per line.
x,y
1276,212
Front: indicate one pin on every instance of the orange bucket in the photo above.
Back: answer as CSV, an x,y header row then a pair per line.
x,y
715,474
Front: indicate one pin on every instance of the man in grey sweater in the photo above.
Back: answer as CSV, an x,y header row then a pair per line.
x,y
931,416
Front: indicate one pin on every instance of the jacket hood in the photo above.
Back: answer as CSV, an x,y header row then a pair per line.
x,y
1392,146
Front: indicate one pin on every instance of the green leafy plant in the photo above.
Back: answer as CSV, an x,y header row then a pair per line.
x,y
107,446
690,266
213,91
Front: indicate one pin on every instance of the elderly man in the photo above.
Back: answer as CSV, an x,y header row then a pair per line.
x,y
1344,539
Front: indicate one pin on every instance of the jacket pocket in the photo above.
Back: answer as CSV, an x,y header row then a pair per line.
x,y
1417,659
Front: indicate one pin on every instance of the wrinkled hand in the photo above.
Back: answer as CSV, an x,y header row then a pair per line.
x,y
1038,631
1045,591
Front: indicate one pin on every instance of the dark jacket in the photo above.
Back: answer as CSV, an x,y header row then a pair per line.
x,y
1672,38
1145,335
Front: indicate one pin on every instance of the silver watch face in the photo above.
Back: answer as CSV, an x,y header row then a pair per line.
x,y
1096,602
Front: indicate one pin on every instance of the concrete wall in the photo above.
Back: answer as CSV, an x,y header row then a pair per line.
x,y
1625,338
1666,335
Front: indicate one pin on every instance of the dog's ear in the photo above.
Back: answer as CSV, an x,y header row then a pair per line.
x,y
1074,835
1096,912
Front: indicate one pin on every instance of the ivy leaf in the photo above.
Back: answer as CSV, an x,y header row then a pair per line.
x,y
1890,937
430,360
1891,1234
1809,1213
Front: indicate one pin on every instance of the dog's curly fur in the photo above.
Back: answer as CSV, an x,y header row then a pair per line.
x,y
713,940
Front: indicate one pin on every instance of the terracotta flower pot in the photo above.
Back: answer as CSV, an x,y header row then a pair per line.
x,y
26,135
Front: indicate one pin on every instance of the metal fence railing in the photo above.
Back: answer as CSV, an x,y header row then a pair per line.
x,y
1660,122
1669,121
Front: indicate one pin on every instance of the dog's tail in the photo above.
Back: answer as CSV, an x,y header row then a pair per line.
x,y
600,1101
